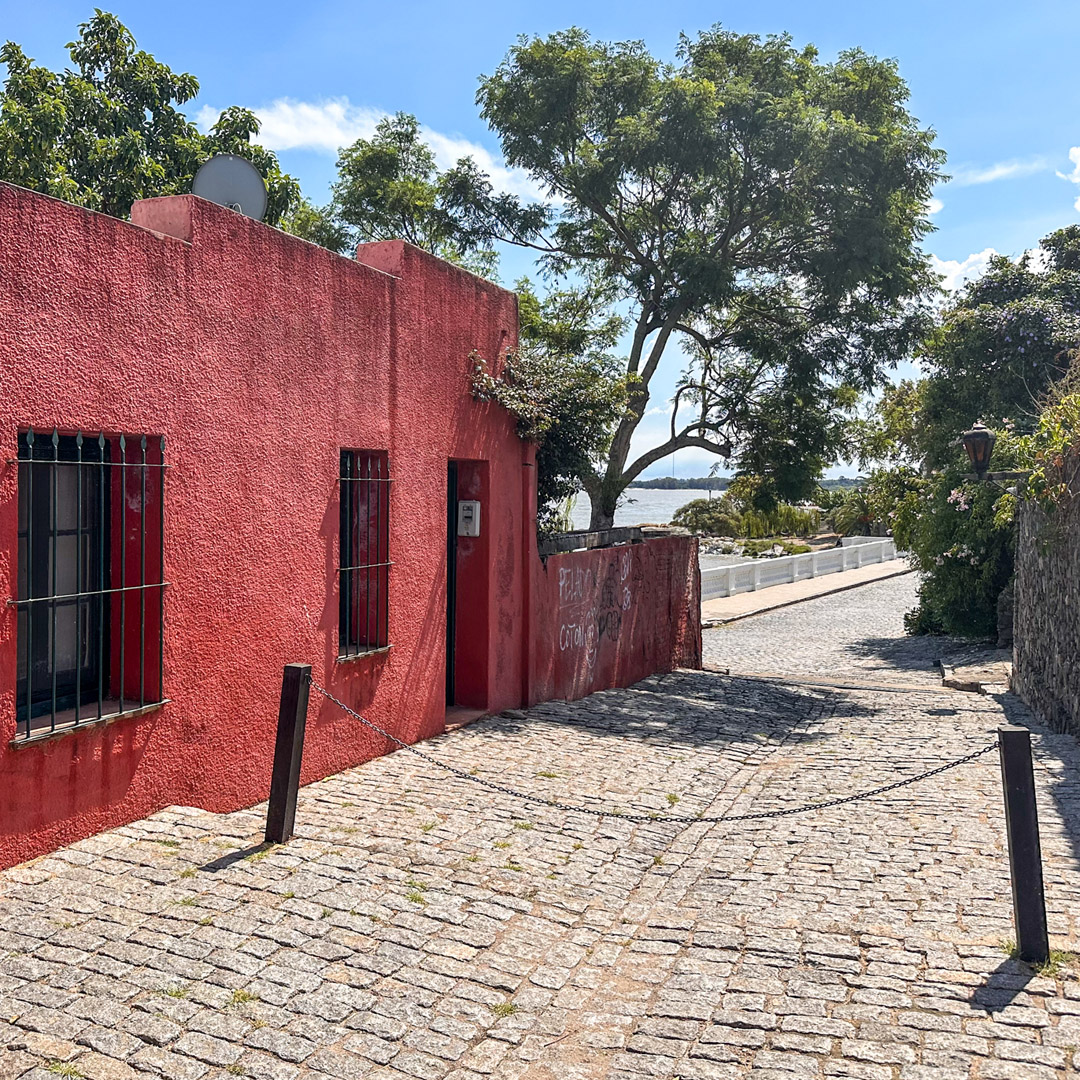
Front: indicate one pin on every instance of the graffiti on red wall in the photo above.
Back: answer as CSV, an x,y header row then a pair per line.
x,y
593,602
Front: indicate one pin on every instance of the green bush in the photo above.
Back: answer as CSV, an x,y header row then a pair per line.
x,y
885,504
785,520
719,517
755,548
707,517
965,554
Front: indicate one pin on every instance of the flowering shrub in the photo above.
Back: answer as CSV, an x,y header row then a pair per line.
x,y
965,552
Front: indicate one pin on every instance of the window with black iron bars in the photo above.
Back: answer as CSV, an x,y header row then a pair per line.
x,y
365,545
90,584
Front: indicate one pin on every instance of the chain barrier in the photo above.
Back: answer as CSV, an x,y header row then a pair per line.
x,y
681,819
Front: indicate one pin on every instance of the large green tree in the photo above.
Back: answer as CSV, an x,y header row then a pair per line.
x,y
757,212
564,387
1008,336
107,131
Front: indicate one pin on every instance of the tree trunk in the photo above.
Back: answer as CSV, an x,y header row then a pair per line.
x,y
603,507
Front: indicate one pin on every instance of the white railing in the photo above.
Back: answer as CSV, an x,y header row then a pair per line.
x,y
763,573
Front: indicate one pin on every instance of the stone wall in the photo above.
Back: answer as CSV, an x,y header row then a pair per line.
x,y
1046,646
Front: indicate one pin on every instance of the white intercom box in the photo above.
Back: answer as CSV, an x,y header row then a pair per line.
x,y
468,517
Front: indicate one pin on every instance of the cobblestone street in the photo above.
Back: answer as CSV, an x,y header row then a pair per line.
x,y
420,926
855,634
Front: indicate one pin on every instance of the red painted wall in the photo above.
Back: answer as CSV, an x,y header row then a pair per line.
x,y
611,616
259,357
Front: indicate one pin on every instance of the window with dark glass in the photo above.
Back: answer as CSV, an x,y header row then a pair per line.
x,y
365,543
90,584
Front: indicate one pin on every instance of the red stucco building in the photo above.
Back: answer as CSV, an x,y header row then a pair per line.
x,y
226,449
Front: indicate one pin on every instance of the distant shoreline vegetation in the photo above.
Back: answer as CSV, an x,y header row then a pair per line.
x,y
720,483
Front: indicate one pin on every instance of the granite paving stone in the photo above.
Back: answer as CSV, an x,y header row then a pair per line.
x,y
418,926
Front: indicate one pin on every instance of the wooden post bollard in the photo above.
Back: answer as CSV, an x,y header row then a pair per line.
x,y
288,751
1025,855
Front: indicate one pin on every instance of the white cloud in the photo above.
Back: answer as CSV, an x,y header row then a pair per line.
x,y
956,272
1039,260
934,206
1074,157
323,126
327,125
1074,176
1003,170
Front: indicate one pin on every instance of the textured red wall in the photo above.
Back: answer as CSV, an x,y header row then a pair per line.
x,y
611,616
258,356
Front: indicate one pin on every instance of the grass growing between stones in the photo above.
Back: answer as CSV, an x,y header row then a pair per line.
x,y
1058,962
415,895
64,1068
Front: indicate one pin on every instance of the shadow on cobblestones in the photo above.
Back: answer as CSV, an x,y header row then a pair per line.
x,y
225,861
1003,986
903,654
693,708
418,926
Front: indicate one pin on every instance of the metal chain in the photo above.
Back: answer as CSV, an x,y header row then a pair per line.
x,y
646,818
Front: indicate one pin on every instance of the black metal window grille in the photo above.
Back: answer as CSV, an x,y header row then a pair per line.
x,y
365,547
90,578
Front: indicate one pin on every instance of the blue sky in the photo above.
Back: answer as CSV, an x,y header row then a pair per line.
x,y
999,82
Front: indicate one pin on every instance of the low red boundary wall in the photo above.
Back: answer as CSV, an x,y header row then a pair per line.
x,y
611,616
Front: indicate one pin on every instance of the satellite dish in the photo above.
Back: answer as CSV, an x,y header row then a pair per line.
x,y
232,181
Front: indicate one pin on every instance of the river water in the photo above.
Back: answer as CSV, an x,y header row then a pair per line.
x,y
642,506
653,506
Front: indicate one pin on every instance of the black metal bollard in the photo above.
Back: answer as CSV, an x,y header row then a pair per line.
x,y
288,751
1025,855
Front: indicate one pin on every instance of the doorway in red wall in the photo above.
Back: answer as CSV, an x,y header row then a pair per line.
x,y
468,530
451,579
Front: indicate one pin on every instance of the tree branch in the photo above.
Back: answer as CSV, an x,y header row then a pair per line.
x,y
680,442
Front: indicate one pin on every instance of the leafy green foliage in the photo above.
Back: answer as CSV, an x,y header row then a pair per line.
x,y
1001,346
389,188
318,225
965,555
757,548
760,208
108,131
728,517
1052,454
562,388
828,498
893,431
784,520
883,506
708,517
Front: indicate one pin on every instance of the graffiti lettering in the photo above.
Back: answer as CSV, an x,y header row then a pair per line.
x,y
609,590
580,635
575,584
609,615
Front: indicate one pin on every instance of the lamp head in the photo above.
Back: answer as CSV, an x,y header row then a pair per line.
x,y
979,444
